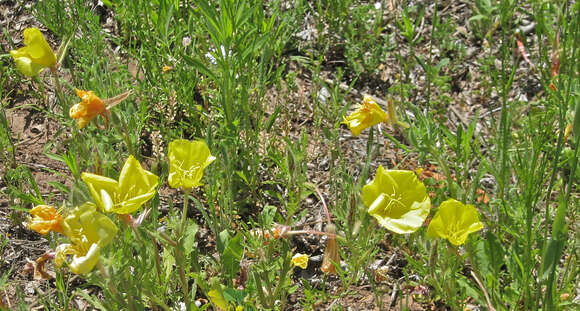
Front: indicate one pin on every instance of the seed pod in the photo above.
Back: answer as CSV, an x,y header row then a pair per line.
x,y
331,255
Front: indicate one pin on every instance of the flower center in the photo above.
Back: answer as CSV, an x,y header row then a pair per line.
x,y
395,207
189,173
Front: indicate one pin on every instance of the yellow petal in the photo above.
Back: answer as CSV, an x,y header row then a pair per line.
x,y
85,226
36,55
136,187
97,185
38,48
25,65
61,252
88,231
89,108
187,161
83,264
45,219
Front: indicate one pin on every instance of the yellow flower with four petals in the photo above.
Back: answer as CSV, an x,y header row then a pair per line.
x,y
365,116
300,260
35,55
454,221
187,160
397,199
135,187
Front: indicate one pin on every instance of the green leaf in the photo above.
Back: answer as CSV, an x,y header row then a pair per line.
x,y
267,215
234,295
189,237
168,262
489,254
242,176
232,255
222,241
59,186
92,300
478,18
199,66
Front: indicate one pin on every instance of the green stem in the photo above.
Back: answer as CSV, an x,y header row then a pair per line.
x,y
124,132
433,259
157,259
450,281
59,92
184,213
179,254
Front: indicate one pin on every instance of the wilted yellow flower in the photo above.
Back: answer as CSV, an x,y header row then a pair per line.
x,y
397,199
89,231
366,115
166,69
92,106
454,221
135,187
46,218
89,108
187,160
35,56
299,260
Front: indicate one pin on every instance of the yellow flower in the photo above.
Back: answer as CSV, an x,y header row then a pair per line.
x,y
89,108
46,218
35,56
299,260
454,221
187,160
366,115
135,187
397,199
89,231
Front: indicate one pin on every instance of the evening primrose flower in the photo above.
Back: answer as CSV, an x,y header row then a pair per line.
x,y
35,55
366,115
299,260
92,106
89,231
397,199
135,187
187,160
45,219
454,221
89,108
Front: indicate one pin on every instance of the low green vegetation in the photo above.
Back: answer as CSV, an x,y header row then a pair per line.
x,y
282,155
